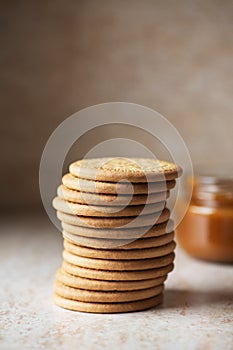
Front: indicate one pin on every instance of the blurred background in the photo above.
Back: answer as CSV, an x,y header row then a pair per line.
x,y
58,57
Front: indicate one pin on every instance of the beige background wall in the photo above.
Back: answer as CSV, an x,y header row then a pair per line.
x,y
60,56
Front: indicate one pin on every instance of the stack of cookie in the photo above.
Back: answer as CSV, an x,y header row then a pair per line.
x,y
118,236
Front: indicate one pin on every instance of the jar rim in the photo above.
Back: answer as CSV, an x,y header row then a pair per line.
x,y
214,180
213,185
217,173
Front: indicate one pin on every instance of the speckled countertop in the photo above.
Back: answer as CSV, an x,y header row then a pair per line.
x,y
197,312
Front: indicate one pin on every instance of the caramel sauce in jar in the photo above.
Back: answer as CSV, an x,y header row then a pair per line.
x,y
206,231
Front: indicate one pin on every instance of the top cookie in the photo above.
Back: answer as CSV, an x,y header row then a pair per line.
x,y
125,169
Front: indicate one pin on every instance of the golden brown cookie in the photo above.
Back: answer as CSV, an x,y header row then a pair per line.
x,y
124,188
108,199
116,265
162,269
97,285
107,211
120,222
107,308
92,296
137,232
119,244
119,254
116,169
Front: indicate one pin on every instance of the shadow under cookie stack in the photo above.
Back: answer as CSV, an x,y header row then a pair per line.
x,y
118,236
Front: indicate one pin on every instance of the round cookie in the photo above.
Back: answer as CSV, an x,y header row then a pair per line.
x,y
105,297
120,254
117,169
109,199
89,284
120,222
100,187
107,308
101,211
117,243
154,231
165,267
116,265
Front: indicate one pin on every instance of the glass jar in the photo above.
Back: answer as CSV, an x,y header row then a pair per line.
x,y
206,231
